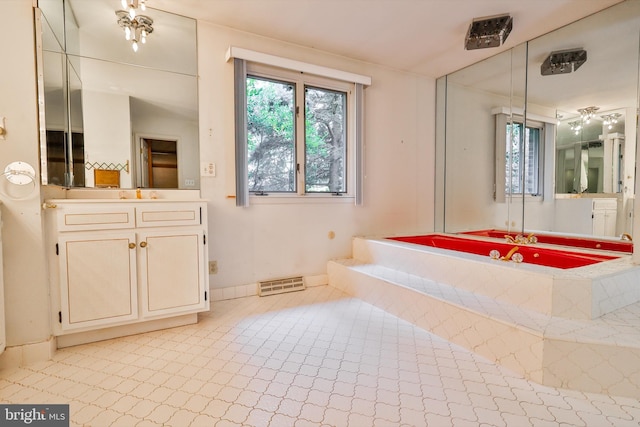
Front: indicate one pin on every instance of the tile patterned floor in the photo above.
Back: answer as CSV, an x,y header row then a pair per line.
x,y
311,358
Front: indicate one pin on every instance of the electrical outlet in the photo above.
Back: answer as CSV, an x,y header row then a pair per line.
x,y
208,169
213,267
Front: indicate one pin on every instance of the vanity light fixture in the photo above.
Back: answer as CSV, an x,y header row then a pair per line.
x,y
563,61
610,119
487,32
136,27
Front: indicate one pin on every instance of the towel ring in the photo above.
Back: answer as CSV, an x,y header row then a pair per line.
x,y
20,180
20,173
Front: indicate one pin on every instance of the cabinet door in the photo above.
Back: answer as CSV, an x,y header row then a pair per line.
x,y
171,271
97,279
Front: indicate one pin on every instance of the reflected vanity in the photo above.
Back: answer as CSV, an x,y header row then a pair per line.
x,y
107,107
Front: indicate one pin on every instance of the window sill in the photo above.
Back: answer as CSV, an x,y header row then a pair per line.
x,y
295,199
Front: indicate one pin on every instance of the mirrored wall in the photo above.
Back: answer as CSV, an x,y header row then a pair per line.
x,y
112,116
542,137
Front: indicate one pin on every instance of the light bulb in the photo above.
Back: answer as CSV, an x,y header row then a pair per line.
x,y
124,4
127,33
143,37
132,13
134,45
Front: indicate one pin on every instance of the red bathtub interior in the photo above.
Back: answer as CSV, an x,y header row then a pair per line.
x,y
576,242
532,254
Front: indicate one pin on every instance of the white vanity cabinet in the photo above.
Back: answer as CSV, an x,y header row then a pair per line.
x,y
125,262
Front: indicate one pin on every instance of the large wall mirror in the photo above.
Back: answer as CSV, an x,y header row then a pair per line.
x,y
542,137
115,117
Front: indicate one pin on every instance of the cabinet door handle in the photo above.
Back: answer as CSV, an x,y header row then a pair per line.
x,y
132,245
143,244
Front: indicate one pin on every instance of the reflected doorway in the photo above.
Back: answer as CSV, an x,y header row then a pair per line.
x,y
159,162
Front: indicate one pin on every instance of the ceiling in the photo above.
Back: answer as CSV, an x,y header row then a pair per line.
x,y
424,37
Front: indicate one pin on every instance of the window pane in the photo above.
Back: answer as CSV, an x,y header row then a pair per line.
x,y
270,134
325,137
513,177
518,164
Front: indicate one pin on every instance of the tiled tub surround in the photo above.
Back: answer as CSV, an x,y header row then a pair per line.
x,y
577,328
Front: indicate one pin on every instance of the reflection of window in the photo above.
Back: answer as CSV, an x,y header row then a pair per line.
x,y
291,147
523,158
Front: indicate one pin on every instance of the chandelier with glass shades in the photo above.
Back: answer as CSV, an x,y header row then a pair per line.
x,y
136,27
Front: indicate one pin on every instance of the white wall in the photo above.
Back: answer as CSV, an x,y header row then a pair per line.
x,y
107,132
25,277
470,165
271,240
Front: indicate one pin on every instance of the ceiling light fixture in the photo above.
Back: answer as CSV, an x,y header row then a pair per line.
x,y
487,32
563,61
131,6
136,27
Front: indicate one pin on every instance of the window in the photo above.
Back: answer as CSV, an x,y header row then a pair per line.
x,y
523,167
297,133
306,134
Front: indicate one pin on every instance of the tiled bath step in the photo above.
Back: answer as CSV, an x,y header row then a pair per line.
x,y
601,355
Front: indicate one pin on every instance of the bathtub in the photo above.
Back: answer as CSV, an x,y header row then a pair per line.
x,y
554,239
555,258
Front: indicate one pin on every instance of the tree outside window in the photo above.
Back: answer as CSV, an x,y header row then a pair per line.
x,y
273,121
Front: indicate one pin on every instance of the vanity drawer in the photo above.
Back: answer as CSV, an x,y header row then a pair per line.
x,y
169,215
84,218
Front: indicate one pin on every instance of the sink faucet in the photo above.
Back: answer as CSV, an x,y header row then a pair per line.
x,y
520,239
626,236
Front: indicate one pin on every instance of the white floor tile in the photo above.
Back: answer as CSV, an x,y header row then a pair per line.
x,y
308,358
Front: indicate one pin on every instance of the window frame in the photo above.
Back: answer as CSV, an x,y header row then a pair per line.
x,y
301,81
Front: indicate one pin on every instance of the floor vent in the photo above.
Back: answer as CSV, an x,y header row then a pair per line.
x,y
280,286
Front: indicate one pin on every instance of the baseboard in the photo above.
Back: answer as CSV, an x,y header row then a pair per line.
x,y
27,354
251,289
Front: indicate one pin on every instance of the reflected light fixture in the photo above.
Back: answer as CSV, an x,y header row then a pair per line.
x,y
487,32
136,27
610,119
575,126
563,61
588,113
